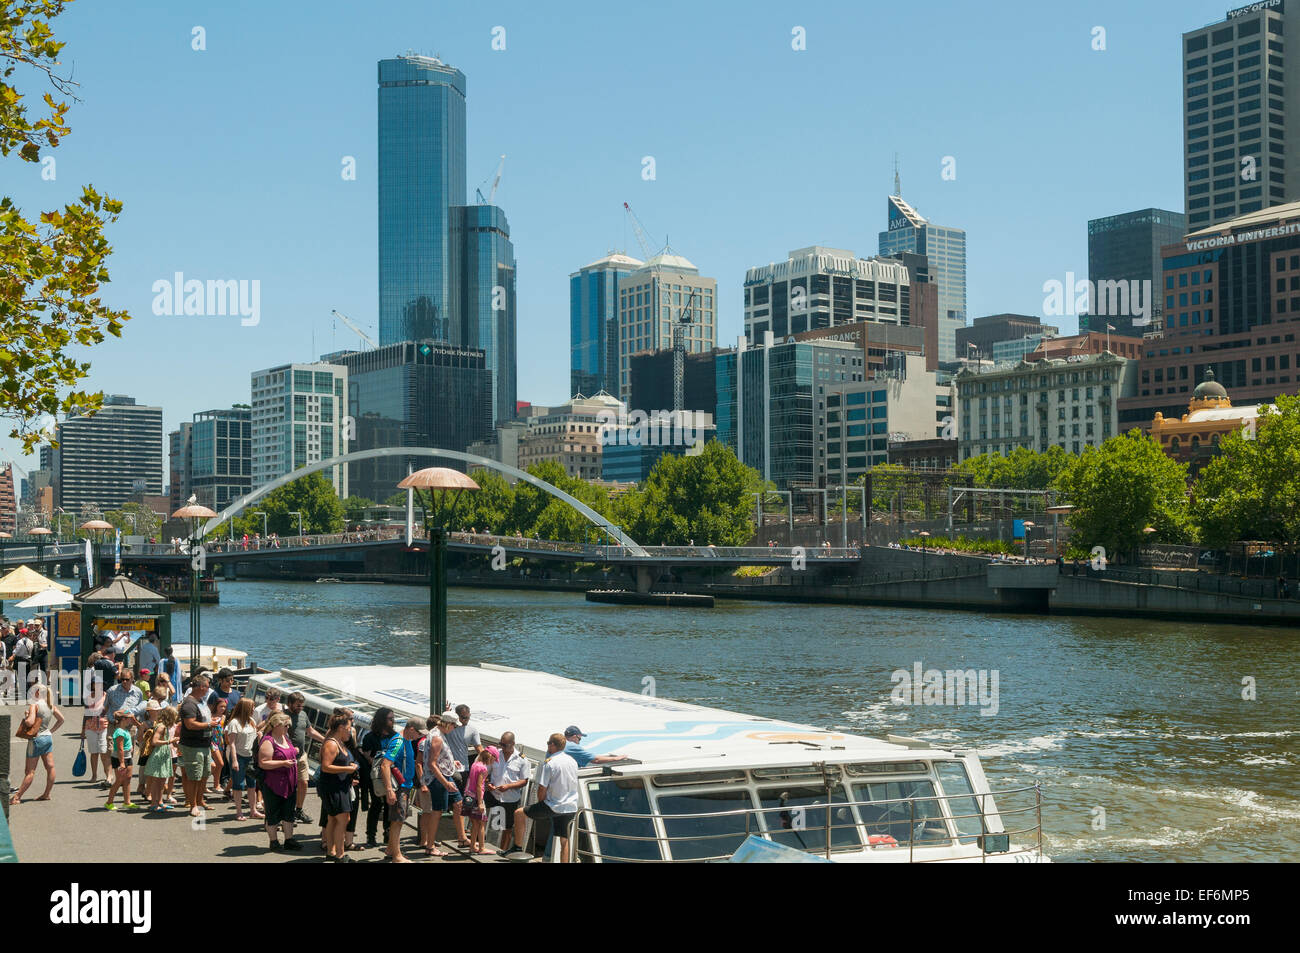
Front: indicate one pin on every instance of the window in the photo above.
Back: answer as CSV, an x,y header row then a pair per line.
x,y
904,810
723,833
622,796
796,817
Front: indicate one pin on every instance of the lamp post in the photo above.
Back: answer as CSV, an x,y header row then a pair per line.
x,y
924,536
194,512
97,527
1028,528
444,487
262,514
299,515
42,533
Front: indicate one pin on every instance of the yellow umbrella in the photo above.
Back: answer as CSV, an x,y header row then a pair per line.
x,y
24,582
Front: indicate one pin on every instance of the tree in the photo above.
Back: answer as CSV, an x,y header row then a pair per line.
x,y
488,507
1251,490
708,498
1022,469
354,509
51,272
312,495
135,519
1121,488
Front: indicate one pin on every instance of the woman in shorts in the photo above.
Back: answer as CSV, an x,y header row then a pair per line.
x,y
94,731
47,719
338,767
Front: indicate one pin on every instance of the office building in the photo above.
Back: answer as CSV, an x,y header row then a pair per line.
x,y
908,231
1126,248
179,447
654,298
570,434
652,381
631,448
485,296
593,323
978,340
102,459
1088,342
413,394
1008,352
1067,402
1240,126
1231,305
503,444
8,502
863,418
220,456
297,418
421,177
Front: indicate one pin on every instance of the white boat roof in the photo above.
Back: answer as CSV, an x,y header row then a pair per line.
x,y
655,731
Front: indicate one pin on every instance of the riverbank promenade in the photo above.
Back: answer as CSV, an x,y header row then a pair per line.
x,y
75,827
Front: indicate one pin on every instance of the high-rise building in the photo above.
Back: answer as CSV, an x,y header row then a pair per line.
x,y
297,418
654,298
1240,125
977,341
484,282
421,177
179,446
652,382
8,502
1126,248
593,323
220,456
1231,296
817,287
103,459
945,247
414,394
570,435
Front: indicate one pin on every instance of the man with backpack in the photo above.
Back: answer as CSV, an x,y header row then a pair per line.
x,y
396,767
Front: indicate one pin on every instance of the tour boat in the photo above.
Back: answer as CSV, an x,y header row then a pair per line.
x,y
693,782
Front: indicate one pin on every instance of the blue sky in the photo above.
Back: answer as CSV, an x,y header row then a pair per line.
x,y
228,159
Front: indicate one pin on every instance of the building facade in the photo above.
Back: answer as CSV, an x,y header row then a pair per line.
x,y
653,299
570,434
1240,90
179,446
984,333
908,231
8,501
484,270
413,394
1127,248
1067,402
593,323
103,459
1194,438
297,418
220,467
1231,305
652,382
630,450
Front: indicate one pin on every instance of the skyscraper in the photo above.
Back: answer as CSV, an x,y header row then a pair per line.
x,y
220,465
1240,121
102,460
945,248
484,283
654,298
593,323
298,418
421,176
1126,248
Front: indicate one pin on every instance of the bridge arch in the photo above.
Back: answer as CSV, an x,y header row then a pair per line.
x,y
468,458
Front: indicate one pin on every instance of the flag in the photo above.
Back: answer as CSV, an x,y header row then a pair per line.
x,y
117,552
1110,327
90,565
410,515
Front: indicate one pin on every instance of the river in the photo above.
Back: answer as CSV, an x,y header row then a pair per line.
x,y
1137,730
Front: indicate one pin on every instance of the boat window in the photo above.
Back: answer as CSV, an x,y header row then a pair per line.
x,y
888,767
796,817
622,796
965,810
707,837
785,774
697,777
916,819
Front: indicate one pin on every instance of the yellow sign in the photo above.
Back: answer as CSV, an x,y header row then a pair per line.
x,y
130,625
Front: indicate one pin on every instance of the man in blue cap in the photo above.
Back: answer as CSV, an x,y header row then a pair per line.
x,y
572,736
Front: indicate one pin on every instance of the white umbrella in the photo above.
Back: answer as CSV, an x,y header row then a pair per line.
x,y
49,597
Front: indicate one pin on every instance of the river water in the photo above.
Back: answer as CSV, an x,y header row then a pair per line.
x,y
1137,730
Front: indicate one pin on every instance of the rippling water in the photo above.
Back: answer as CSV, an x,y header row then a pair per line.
x,y
1142,719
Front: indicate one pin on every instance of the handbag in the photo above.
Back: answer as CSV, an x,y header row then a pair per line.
x,y
79,764
28,732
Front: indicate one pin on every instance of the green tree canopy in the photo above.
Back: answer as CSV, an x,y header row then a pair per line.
x,y
1022,469
354,509
51,270
708,498
1121,488
1251,490
312,495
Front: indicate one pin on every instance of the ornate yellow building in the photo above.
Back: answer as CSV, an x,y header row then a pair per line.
x,y
1210,415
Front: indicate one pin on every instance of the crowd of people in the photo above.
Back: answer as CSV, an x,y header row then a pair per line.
x,y
143,730
25,643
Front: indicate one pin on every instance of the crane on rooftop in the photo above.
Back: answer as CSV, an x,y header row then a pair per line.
x,y
356,330
492,192
684,317
641,237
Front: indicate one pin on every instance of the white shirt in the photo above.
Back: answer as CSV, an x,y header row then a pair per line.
x,y
512,769
264,712
560,778
150,657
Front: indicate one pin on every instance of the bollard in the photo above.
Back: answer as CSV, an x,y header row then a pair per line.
x,y
4,764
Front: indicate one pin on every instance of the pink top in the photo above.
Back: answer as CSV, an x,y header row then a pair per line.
x,y
476,785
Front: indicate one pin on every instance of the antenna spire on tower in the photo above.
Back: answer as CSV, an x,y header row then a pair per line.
x,y
898,185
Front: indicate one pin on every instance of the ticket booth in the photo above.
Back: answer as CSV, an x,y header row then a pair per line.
x,y
119,606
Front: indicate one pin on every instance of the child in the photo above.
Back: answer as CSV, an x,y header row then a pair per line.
x,y
475,791
121,748
218,746
158,751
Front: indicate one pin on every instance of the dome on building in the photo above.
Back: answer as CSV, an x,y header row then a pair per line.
x,y
1209,389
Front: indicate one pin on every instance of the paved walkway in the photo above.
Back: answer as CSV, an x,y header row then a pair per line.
x,y
74,826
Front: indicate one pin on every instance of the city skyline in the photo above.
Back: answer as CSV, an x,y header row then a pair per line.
x,y
219,212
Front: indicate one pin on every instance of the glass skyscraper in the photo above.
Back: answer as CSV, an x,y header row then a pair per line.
x,y
593,324
1127,247
945,247
484,281
421,177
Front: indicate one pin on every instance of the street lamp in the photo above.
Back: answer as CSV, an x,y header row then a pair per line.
x,y
194,512
444,487
925,535
97,527
41,533
262,514
1028,527
299,515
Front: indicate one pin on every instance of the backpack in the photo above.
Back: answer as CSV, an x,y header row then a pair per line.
x,y
377,772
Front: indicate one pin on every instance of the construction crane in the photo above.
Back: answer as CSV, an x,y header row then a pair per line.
x,y
642,238
356,330
492,192
684,317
